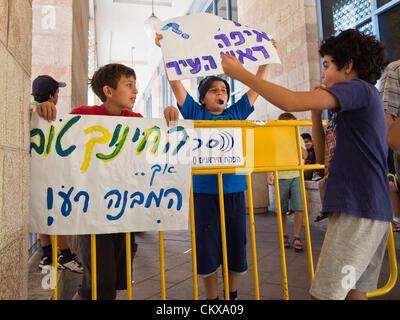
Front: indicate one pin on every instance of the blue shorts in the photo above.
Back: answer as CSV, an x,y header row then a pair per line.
x,y
208,232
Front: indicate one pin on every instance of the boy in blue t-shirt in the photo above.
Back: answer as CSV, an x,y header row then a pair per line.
x,y
214,96
357,197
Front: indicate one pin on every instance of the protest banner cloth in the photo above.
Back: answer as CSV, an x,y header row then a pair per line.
x,y
96,174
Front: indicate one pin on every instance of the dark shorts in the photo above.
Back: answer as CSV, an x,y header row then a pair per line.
x,y
110,263
208,232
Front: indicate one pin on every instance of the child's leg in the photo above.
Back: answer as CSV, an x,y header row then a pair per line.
x,y
233,281
395,196
356,295
45,240
298,223
211,286
62,242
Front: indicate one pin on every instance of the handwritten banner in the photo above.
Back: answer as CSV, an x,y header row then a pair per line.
x,y
192,45
96,174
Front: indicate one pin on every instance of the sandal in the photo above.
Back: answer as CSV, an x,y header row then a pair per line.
x,y
286,242
321,216
298,247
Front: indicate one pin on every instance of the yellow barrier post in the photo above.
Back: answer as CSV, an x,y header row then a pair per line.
x,y
128,266
280,228
253,236
94,266
305,209
193,238
162,265
223,236
55,266
393,269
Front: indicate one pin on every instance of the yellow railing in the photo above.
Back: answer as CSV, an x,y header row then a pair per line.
x,y
272,147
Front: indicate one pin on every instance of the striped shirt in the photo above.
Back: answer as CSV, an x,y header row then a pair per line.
x,y
390,89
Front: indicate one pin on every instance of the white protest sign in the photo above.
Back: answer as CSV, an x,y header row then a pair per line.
x,y
217,147
192,45
96,174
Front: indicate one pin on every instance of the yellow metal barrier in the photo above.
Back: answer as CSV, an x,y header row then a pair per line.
x,y
283,153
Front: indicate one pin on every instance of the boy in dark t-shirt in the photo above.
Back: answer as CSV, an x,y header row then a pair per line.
x,y
357,197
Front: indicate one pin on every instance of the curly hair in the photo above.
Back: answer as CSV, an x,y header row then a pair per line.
x,y
109,75
367,53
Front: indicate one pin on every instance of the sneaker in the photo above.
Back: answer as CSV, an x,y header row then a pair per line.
x,y
47,262
70,263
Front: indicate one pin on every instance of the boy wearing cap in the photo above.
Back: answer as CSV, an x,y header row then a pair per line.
x,y
45,92
214,96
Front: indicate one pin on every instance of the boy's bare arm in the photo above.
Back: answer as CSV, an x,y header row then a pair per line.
x,y
177,87
393,137
262,72
281,97
318,135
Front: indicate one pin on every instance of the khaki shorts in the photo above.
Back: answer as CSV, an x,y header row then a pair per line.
x,y
351,256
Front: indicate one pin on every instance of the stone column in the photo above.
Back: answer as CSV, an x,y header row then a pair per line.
x,y
15,85
60,47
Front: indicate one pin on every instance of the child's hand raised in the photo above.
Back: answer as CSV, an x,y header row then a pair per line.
x,y
47,110
232,66
171,114
158,38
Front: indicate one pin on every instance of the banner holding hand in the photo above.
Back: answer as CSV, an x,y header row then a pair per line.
x,y
192,45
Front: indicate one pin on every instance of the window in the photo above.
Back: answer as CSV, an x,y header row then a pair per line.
x,y
389,27
374,17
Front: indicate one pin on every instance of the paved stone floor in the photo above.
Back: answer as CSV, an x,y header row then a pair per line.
x,y
178,268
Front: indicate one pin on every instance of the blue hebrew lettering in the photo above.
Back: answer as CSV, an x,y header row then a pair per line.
x,y
175,28
224,39
117,203
212,143
183,141
237,34
211,61
248,55
232,53
157,168
174,64
183,62
199,141
195,64
247,32
171,201
261,36
138,201
83,194
66,207
152,196
38,148
263,50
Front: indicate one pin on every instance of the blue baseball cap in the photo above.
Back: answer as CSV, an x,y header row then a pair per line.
x,y
44,84
205,84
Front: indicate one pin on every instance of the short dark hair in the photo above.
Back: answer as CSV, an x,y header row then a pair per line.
x,y
367,53
306,136
109,75
44,97
286,116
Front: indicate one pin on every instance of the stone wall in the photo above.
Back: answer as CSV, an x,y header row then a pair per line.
x,y
15,73
293,23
